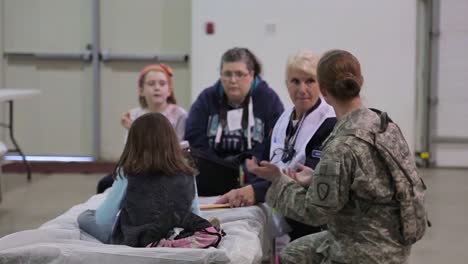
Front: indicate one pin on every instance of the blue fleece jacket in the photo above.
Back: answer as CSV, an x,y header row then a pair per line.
x,y
203,120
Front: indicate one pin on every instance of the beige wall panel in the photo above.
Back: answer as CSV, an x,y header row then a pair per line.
x,y
47,25
176,38
21,28
119,94
175,32
138,27
131,26
59,120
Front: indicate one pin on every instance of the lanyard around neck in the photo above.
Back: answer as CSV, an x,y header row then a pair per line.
x,y
292,131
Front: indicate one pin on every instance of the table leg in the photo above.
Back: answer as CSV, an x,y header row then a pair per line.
x,y
12,137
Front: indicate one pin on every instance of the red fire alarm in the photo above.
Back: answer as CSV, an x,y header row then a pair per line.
x,y
210,28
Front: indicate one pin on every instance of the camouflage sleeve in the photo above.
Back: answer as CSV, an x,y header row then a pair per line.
x,y
327,194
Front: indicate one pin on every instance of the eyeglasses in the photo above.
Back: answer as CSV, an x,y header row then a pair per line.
x,y
227,75
286,154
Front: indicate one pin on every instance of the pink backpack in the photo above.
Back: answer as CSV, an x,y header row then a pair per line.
x,y
205,238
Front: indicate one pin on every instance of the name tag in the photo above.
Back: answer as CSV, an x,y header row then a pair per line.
x,y
316,154
234,119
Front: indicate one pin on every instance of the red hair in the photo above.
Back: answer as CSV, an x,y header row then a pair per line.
x,y
166,70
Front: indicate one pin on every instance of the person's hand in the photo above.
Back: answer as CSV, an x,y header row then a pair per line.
x,y
244,196
303,175
265,169
126,121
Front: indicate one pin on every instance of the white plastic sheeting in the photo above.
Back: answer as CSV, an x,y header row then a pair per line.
x,y
61,241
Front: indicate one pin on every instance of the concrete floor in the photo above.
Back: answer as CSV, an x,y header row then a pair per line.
x,y
28,205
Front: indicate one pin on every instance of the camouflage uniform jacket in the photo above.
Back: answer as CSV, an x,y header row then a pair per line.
x,y
351,192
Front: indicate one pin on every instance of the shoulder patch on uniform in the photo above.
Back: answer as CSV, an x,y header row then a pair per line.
x,y
322,190
316,153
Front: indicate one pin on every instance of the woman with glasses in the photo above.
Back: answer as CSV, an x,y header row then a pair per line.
x,y
229,121
300,130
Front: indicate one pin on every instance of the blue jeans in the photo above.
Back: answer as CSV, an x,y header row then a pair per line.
x,y
87,223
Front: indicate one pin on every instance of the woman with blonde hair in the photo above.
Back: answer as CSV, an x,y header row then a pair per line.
x,y
351,189
297,135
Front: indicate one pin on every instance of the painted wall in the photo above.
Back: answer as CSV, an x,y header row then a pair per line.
x,y
141,27
382,35
450,134
57,120
60,120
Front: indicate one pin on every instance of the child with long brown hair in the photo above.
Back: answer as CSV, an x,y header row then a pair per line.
x,y
160,185
159,188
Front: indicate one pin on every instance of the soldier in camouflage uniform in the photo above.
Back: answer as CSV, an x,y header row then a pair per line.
x,y
350,190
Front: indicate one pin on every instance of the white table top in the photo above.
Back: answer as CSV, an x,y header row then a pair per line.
x,y
8,94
